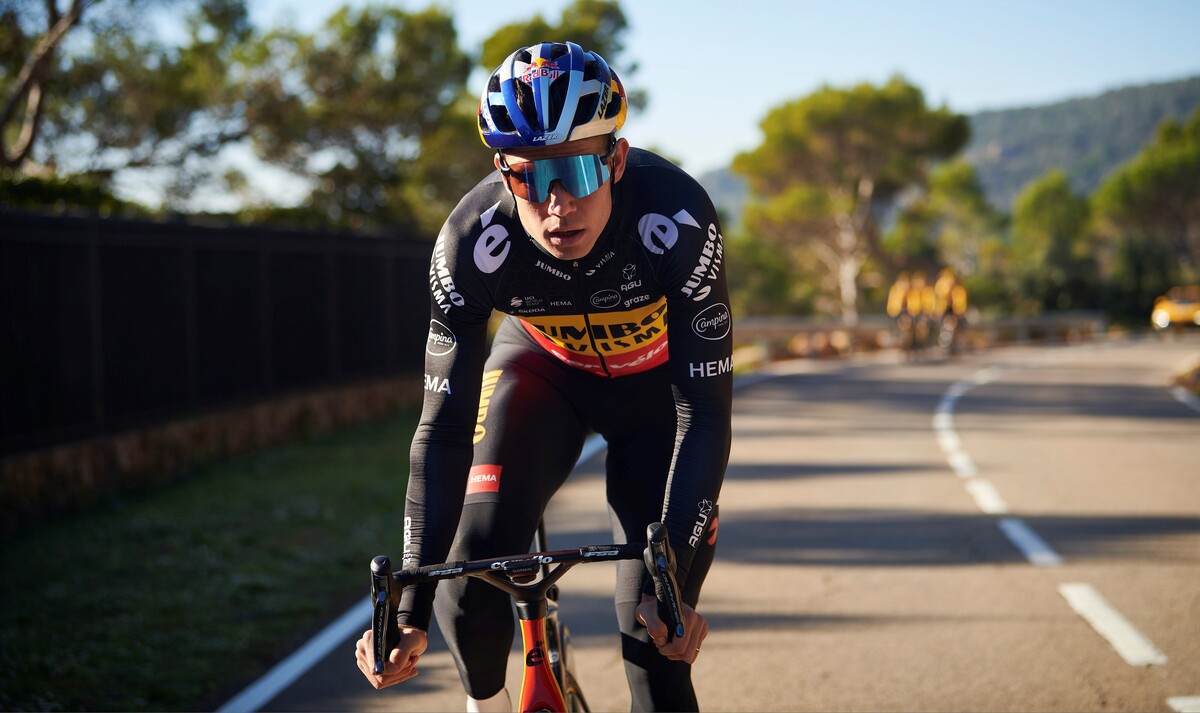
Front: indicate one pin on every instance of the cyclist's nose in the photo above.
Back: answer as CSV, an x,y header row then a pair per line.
x,y
560,202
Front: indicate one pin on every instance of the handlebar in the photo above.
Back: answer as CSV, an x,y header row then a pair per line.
x,y
517,574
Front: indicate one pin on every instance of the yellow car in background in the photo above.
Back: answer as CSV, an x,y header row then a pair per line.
x,y
1180,306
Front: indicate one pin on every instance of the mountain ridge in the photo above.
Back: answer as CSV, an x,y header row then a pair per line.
x,y
1085,136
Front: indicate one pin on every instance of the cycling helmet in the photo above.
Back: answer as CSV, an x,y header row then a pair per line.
x,y
548,94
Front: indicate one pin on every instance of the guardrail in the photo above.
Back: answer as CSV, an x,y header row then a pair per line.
x,y
763,339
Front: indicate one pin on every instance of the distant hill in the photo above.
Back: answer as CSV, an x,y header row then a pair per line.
x,y
1085,137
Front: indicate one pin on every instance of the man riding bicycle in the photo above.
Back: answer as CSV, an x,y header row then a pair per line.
x,y
596,252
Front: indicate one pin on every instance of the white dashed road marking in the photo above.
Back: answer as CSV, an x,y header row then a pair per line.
x,y
1135,648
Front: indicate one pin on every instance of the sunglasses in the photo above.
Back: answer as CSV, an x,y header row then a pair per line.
x,y
581,176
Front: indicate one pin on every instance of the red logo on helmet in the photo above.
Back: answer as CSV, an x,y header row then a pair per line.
x,y
540,68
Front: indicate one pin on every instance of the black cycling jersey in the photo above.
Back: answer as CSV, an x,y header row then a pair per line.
x,y
656,272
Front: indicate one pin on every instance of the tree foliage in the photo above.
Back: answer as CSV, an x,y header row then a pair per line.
x,y
104,95
1052,258
1158,193
371,111
360,107
829,162
1147,220
596,25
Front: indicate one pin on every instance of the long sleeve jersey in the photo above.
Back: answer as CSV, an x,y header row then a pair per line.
x,y
655,277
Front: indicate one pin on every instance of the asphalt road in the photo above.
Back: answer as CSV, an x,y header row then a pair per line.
x,y
905,537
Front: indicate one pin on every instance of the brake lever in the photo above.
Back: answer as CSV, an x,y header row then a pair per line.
x,y
384,630
660,561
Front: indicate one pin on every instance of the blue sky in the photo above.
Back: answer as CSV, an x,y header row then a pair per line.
x,y
713,68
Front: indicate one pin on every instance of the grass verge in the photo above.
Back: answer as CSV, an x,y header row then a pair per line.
x,y
177,599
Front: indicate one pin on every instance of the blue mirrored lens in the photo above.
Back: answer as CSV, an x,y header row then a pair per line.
x,y
580,175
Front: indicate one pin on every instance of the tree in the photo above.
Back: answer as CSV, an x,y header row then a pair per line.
x,y
367,108
827,165
1051,252
114,98
25,69
946,224
1152,203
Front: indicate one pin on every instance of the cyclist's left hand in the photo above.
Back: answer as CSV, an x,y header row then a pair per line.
x,y
695,629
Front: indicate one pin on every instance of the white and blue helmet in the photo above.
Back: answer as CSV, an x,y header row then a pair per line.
x,y
548,94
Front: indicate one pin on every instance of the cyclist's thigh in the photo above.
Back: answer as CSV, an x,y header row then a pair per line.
x,y
528,438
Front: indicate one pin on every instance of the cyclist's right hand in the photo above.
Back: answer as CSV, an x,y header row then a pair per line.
x,y
402,660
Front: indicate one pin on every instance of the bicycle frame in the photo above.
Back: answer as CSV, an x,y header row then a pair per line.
x,y
531,579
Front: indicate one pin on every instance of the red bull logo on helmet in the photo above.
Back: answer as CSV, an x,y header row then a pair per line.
x,y
541,68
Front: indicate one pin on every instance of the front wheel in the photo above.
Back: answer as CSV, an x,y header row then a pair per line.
x,y
573,694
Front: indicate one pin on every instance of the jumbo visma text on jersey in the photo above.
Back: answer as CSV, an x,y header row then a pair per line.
x,y
612,343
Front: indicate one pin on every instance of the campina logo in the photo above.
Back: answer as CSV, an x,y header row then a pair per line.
x,y
441,340
713,323
606,299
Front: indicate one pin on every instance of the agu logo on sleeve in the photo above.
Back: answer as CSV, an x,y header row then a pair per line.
x,y
713,323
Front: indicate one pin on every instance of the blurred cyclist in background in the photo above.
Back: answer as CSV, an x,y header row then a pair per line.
x,y
599,254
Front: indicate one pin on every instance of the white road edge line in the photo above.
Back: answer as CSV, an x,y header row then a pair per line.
x,y
259,693
355,620
1184,704
985,495
1184,397
1027,541
1130,643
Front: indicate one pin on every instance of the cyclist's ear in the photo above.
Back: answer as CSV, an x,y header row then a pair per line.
x,y
617,166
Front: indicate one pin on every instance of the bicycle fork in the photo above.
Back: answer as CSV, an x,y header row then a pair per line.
x,y
539,686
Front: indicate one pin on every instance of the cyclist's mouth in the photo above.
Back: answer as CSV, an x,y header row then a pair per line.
x,y
564,238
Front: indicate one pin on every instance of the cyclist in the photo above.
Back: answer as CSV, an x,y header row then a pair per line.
x,y
595,251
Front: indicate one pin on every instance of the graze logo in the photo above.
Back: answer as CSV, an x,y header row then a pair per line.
x,y
441,340
490,379
441,283
704,510
540,68
493,245
660,233
484,479
708,267
713,323
606,299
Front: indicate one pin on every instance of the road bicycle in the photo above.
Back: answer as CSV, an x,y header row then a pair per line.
x,y
549,684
